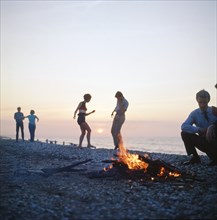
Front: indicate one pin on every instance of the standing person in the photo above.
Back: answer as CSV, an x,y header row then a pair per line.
x,y
18,116
120,109
194,130
82,122
32,126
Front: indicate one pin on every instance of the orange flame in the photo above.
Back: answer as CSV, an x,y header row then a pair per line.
x,y
163,172
134,163
131,160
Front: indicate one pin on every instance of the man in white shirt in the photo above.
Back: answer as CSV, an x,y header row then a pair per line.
x,y
194,130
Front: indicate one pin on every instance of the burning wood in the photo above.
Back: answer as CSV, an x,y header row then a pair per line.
x,y
135,166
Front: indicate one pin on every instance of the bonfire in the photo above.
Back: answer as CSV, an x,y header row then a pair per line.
x,y
135,166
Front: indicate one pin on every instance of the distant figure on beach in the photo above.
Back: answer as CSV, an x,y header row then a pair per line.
x,y
18,116
32,126
197,130
120,109
82,122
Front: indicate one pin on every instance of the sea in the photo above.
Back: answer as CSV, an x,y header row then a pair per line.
x,y
167,145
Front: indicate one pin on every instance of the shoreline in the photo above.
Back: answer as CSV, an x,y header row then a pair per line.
x,y
26,193
168,145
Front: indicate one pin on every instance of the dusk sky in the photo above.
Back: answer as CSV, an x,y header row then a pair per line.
x,y
158,53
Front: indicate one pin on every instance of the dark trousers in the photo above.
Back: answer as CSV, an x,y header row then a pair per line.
x,y
32,131
193,141
19,126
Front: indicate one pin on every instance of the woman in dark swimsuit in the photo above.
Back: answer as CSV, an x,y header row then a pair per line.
x,y
81,120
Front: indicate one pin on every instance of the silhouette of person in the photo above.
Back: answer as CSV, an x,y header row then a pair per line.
x,y
82,121
32,126
120,109
198,130
18,116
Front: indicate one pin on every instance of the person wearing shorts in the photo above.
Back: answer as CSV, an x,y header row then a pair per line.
x,y
82,113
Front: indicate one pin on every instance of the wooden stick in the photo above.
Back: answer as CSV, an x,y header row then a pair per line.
x,y
62,169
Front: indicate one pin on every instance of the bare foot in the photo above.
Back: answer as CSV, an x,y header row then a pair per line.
x,y
91,146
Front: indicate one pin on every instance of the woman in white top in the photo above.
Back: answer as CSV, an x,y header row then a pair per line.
x,y
120,109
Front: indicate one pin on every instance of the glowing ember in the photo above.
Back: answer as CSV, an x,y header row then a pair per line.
x,y
134,162
163,172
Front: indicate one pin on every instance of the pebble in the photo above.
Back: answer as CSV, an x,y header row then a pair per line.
x,y
27,193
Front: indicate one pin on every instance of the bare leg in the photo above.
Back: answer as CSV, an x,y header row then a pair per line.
x,y
88,135
87,128
83,132
116,128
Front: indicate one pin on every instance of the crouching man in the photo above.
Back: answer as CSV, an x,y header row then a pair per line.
x,y
199,130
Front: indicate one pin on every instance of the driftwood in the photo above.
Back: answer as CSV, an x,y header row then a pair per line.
x,y
66,168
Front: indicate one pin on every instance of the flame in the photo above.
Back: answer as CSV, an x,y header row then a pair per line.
x,y
131,160
107,168
175,174
163,172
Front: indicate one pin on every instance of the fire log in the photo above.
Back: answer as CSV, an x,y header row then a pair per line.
x,y
155,165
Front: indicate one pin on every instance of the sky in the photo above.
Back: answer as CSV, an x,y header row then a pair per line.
x,y
157,53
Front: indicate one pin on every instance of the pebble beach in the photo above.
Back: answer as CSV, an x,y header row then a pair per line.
x,y
27,192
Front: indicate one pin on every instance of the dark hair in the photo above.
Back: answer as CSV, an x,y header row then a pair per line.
x,y
87,97
32,112
118,94
203,94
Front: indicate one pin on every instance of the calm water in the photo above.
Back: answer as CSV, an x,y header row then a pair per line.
x,y
169,145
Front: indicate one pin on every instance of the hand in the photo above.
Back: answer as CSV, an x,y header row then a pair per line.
x,y
210,134
202,131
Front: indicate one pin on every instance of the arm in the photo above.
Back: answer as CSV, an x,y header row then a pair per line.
x,y
19,117
113,112
37,118
90,113
76,110
187,125
195,123
118,107
211,134
23,116
123,105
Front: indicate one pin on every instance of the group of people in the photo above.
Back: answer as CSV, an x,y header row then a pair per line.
x,y
198,131
119,118
19,117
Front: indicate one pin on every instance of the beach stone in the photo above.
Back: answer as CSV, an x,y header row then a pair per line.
x,y
26,192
